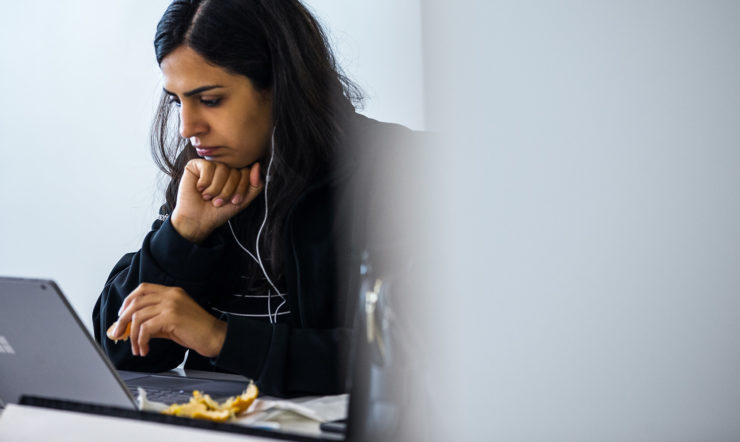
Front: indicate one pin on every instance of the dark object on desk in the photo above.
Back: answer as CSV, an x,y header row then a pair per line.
x,y
339,427
380,407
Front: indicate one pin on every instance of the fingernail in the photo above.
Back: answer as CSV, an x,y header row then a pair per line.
x,y
207,197
218,202
236,200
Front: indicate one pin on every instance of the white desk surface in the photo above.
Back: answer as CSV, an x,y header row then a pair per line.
x,y
19,423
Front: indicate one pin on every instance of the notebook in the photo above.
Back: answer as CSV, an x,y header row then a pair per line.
x,y
46,351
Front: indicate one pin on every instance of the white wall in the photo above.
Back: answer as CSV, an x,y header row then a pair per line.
x,y
378,44
79,83
586,283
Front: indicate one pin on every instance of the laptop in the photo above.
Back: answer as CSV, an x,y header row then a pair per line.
x,y
46,351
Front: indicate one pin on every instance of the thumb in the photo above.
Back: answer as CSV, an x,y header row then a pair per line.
x,y
256,185
255,176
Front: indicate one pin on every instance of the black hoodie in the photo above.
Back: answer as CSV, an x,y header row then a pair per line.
x,y
324,235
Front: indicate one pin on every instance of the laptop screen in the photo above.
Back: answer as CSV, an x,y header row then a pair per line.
x,y
47,351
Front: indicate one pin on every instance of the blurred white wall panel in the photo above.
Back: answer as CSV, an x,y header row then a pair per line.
x,y
587,286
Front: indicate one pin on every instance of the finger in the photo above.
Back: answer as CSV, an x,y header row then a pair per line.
x,y
148,330
141,290
227,191
241,189
134,301
204,170
158,321
220,176
138,304
197,168
127,301
138,322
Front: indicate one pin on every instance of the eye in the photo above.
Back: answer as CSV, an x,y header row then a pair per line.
x,y
175,101
212,102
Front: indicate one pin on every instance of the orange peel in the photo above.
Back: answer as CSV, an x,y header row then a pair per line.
x,y
202,406
240,403
123,337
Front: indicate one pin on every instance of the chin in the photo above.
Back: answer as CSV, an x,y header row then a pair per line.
x,y
221,160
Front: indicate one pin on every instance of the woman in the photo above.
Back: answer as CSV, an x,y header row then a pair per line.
x,y
249,264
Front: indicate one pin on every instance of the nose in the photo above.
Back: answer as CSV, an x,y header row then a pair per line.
x,y
191,122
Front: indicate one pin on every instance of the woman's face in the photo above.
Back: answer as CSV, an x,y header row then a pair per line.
x,y
225,118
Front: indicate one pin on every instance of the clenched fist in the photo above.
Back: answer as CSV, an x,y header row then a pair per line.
x,y
210,194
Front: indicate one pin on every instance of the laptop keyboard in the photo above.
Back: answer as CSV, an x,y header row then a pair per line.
x,y
162,395
175,389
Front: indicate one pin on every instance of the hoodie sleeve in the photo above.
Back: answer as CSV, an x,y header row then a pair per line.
x,y
165,258
286,360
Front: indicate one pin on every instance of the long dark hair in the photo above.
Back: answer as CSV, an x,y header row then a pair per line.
x,y
280,47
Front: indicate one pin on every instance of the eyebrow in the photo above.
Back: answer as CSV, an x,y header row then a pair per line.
x,y
195,91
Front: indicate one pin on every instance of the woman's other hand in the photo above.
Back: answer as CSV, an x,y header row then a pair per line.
x,y
209,194
157,311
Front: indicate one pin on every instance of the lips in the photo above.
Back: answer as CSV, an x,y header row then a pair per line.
x,y
205,151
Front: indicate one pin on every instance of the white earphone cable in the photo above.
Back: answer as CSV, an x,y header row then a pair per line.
x,y
258,259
